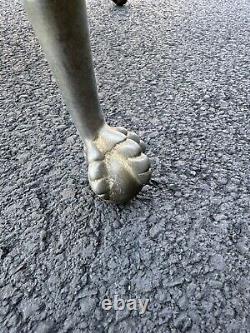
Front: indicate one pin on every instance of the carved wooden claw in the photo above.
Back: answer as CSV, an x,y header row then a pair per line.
x,y
118,168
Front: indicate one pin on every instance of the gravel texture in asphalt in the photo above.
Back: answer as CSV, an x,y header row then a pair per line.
x,y
177,73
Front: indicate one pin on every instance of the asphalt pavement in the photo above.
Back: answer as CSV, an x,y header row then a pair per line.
x,y
177,73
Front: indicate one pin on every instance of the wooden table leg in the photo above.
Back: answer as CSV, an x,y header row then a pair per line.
x,y
118,167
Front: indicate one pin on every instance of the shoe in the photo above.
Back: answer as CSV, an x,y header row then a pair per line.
x,y
120,2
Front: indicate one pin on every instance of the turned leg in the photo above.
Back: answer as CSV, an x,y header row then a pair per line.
x,y
118,167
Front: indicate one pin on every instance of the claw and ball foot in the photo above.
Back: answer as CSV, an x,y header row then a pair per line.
x,y
118,167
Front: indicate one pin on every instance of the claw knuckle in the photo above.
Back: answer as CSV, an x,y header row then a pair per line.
x,y
100,186
133,136
97,170
122,130
130,149
140,163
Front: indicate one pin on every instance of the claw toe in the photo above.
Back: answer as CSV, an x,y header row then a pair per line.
x,y
116,137
122,130
95,155
140,163
144,177
97,170
129,149
133,136
143,146
100,186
